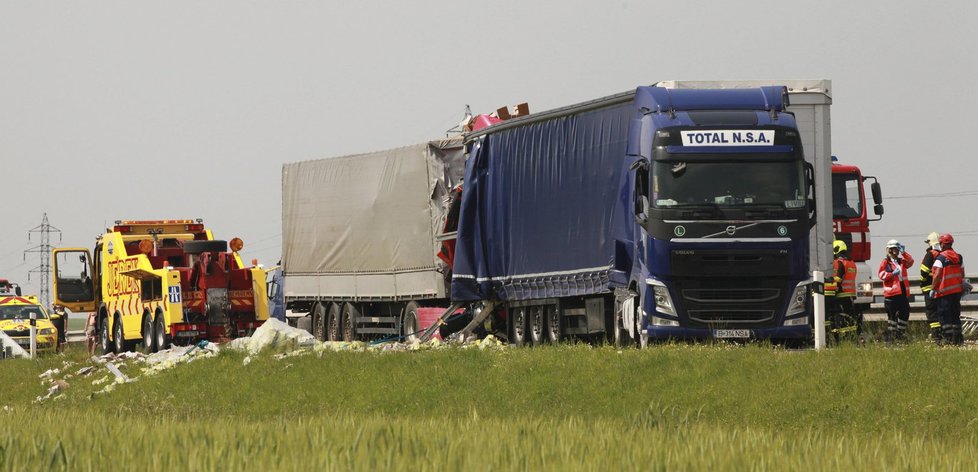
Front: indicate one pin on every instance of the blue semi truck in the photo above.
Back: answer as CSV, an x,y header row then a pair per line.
x,y
679,210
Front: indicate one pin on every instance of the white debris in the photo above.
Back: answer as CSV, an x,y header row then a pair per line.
x,y
274,334
49,373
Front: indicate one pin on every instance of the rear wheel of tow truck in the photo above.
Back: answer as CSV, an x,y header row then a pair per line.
x,y
148,335
535,324
410,324
162,341
551,323
118,338
105,344
518,326
318,321
348,325
333,322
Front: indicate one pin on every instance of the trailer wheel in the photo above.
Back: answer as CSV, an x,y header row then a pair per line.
x,y
197,247
118,338
148,336
535,324
517,326
319,321
348,324
409,322
333,322
162,338
551,319
104,335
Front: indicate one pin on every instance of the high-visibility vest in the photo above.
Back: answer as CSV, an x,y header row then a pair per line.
x,y
847,287
949,277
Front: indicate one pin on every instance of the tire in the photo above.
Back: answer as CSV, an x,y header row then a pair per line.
x,y
148,336
409,323
348,324
333,323
641,338
197,247
162,341
103,334
118,337
534,324
518,326
551,324
318,314
613,329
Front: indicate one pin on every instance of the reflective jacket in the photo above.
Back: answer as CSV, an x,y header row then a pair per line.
x,y
895,283
948,273
926,278
845,277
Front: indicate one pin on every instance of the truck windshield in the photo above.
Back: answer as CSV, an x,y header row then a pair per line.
x,y
847,199
21,312
745,182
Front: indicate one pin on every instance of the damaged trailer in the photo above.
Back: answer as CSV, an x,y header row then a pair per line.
x,y
365,251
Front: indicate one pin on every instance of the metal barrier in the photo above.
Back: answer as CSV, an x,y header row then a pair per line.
x,y
877,312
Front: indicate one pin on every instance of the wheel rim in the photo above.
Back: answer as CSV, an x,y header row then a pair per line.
x,y
411,326
318,323
334,327
160,335
348,326
536,324
519,325
553,324
147,334
118,339
104,334
641,336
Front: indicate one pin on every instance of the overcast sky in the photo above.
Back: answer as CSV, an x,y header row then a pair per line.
x,y
187,109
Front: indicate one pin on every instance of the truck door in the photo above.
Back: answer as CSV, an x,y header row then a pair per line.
x,y
74,285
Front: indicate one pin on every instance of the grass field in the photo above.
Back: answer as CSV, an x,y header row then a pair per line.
x,y
570,407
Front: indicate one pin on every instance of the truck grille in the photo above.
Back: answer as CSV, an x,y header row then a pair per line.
x,y
16,334
731,316
710,295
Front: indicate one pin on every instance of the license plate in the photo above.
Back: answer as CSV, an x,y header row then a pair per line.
x,y
186,334
731,333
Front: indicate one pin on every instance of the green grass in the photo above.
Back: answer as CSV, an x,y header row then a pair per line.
x,y
577,407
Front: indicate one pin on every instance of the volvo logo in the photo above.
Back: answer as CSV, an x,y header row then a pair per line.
x,y
731,230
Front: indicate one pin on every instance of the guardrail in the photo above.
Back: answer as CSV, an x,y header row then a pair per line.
x,y
877,312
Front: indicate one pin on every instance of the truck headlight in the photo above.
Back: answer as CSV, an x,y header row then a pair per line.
x,y
45,331
866,289
656,321
799,321
663,302
798,298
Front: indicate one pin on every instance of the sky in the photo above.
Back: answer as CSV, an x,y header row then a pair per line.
x,y
186,109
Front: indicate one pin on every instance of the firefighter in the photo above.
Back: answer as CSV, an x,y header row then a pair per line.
x,y
896,289
926,286
949,284
844,275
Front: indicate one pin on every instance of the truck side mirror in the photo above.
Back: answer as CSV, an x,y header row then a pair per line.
x,y
878,209
877,196
642,210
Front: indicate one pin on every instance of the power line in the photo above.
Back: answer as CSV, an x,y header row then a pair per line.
x,y
963,193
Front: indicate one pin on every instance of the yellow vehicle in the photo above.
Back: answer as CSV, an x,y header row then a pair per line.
x,y
15,321
161,281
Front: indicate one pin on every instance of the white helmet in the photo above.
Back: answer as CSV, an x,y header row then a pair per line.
x,y
892,243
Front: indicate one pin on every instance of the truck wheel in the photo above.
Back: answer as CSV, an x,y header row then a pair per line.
x,y
197,247
333,322
551,319
319,321
641,336
104,336
410,324
148,336
535,324
517,326
348,325
614,331
162,338
118,339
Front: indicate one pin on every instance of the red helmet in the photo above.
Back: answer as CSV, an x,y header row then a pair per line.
x,y
946,239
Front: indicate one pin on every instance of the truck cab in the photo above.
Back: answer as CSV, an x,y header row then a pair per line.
x,y
720,203
850,222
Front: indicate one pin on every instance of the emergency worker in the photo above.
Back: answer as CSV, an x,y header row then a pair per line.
x,y
926,286
59,318
896,289
949,284
844,278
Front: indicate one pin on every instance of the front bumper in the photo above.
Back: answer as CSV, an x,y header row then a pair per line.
x,y
781,332
47,342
